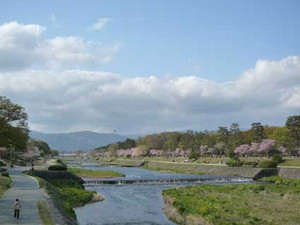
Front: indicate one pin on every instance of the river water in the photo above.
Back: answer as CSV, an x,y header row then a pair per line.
x,y
131,204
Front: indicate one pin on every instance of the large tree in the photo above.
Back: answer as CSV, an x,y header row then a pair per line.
x,y
257,132
235,136
13,125
293,124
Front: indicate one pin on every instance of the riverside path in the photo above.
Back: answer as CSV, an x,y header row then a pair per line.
x,y
27,190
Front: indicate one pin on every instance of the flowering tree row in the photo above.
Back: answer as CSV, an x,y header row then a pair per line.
x,y
262,148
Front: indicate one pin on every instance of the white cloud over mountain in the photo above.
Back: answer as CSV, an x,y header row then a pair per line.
x,y
72,100
23,46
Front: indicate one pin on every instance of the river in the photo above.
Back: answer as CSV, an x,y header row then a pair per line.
x,y
131,204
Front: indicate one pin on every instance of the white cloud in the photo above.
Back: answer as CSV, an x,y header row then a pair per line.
x,y
100,23
23,46
75,99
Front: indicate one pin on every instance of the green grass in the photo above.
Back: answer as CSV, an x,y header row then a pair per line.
x,y
94,173
290,162
72,192
4,184
261,204
41,181
44,213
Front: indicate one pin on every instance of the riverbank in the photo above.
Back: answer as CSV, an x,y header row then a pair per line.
x,y
196,168
275,203
244,171
5,183
65,192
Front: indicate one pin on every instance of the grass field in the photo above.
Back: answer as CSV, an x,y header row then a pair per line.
x,y
262,204
94,173
4,184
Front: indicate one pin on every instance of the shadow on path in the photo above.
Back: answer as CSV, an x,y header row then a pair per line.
x,y
26,189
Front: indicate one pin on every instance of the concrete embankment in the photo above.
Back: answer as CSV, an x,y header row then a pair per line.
x,y
249,172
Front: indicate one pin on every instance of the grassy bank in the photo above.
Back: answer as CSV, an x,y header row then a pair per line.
x,y
4,184
262,204
201,169
67,194
94,173
288,161
44,213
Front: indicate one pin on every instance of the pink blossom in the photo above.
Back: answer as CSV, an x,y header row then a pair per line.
x,y
266,145
243,149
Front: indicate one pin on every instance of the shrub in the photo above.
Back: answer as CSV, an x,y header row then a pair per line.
x,y
2,169
57,168
2,163
277,158
234,163
5,174
61,162
268,164
253,164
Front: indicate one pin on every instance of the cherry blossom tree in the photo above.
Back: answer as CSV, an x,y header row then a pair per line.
x,y
244,149
266,145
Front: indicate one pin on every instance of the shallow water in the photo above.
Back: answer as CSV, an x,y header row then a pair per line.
x,y
130,204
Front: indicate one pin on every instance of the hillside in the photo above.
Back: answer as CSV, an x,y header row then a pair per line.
x,y
83,140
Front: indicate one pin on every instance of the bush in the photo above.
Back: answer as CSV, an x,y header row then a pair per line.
x,y
2,169
234,163
277,158
57,168
268,164
61,162
5,174
2,163
253,164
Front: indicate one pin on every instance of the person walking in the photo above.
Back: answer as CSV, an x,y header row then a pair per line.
x,y
17,208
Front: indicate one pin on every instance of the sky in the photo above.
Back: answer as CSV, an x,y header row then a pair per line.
x,y
144,66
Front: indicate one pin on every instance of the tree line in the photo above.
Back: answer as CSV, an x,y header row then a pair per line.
x,y
259,139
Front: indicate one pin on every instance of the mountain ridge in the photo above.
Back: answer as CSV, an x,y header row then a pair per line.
x,y
73,141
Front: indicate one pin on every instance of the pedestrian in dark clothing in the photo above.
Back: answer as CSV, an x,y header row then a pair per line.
x,y
17,208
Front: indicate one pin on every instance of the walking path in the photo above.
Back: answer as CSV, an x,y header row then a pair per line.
x,y
26,189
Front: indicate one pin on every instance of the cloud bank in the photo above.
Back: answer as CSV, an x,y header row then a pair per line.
x,y
84,100
23,46
75,98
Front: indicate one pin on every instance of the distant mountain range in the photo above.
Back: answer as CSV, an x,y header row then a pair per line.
x,y
83,140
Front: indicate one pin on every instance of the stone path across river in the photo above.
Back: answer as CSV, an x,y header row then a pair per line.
x,y
27,190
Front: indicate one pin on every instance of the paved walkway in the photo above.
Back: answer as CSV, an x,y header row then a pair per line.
x,y
26,189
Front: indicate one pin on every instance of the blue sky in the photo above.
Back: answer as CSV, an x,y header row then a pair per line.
x,y
149,66
215,40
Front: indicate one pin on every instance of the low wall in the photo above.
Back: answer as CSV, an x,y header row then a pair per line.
x,y
289,172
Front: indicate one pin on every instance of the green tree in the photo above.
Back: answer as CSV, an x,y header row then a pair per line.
x,y
13,125
257,132
43,147
293,124
112,150
223,135
127,144
235,136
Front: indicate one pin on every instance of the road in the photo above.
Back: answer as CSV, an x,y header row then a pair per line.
x,y
27,190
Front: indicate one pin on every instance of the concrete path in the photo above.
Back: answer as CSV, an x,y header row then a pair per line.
x,y
26,189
